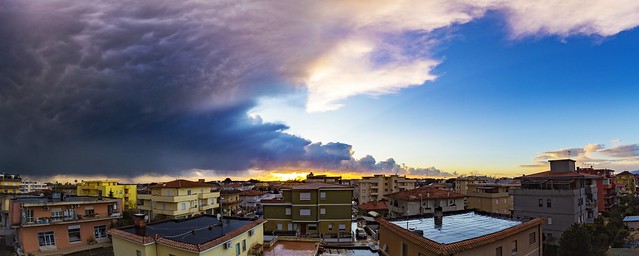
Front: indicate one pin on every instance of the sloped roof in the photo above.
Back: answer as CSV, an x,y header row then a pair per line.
x,y
549,174
425,192
252,193
181,184
374,206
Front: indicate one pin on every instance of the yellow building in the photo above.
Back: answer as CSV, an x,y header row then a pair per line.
x,y
10,183
490,197
110,188
626,181
179,199
202,235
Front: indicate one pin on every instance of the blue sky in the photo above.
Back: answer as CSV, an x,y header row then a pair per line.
x,y
214,89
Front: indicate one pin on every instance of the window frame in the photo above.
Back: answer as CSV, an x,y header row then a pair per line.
x,y
303,197
46,238
305,210
98,234
74,230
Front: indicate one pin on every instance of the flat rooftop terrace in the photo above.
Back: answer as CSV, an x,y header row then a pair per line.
x,y
292,248
206,228
457,227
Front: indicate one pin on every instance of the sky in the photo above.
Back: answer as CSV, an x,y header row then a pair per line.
x,y
272,90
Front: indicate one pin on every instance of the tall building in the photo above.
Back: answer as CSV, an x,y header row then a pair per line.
x,y
62,223
490,197
32,186
323,178
627,183
202,235
109,188
461,183
606,189
311,209
374,188
179,199
10,183
423,200
250,199
561,196
230,201
464,234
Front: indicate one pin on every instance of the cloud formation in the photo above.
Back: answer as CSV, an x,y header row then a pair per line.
x,y
143,87
621,157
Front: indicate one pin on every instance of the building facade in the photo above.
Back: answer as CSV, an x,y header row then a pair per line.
x,y
311,209
457,236
179,199
109,188
250,200
230,201
323,178
606,188
423,200
627,183
561,196
32,186
375,188
202,235
51,224
461,183
10,183
490,197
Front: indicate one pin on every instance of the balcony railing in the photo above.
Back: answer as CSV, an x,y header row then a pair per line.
x,y
67,219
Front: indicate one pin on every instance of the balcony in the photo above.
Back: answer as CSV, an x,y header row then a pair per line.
x,y
168,199
207,195
43,221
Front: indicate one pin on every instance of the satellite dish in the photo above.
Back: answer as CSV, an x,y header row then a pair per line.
x,y
146,218
219,216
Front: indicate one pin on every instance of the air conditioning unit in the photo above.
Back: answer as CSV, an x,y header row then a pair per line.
x,y
251,232
70,206
227,245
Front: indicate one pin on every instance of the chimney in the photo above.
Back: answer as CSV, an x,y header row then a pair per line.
x,y
439,216
140,225
201,180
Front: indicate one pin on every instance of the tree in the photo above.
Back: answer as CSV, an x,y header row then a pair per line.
x,y
576,241
227,181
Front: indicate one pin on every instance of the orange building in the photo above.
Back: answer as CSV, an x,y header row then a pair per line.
x,y
68,224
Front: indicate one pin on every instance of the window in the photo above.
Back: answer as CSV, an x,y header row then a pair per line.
x,y
290,226
183,206
322,210
100,231
138,253
74,233
404,249
497,201
89,212
46,238
237,249
188,192
532,238
514,246
549,221
305,212
330,227
498,251
30,217
201,191
212,201
305,196
505,200
244,245
323,195
288,211
342,227
279,226
56,213
541,202
548,203
312,227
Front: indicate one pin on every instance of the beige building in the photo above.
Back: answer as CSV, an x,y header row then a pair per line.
x,y
179,199
201,235
423,200
461,183
109,188
490,197
376,187
467,233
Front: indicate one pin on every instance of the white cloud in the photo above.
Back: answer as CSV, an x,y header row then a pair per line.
x,y
621,157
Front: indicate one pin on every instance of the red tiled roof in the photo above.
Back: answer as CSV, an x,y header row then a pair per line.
x,y
446,249
252,193
317,185
374,206
425,192
561,174
182,245
181,184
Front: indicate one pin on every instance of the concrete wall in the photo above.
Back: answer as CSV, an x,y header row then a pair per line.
x,y
28,236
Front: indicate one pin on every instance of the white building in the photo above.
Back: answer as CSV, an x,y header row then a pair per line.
x,y
32,186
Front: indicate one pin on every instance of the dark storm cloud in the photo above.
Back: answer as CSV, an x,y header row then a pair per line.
x,y
126,89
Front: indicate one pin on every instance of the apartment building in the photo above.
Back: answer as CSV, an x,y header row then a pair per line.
x,y
606,188
6,232
561,196
250,199
459,234
62,223
323,178
230,201
423,200
32,186
204,235
311,209
461,183
109,188
627,183
374,188
10,183
179,199
490,197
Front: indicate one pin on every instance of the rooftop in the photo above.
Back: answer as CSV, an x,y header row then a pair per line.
x,y
74,199
318,185
292,248
252,193
631,218
181,184
458,227
373,206
424,193
549,174
196,234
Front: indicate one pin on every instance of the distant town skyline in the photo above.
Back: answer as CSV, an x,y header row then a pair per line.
x,y
269,91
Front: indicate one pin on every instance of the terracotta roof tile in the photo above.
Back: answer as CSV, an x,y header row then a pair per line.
x,y
181,184
374,206
252,193
426,193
